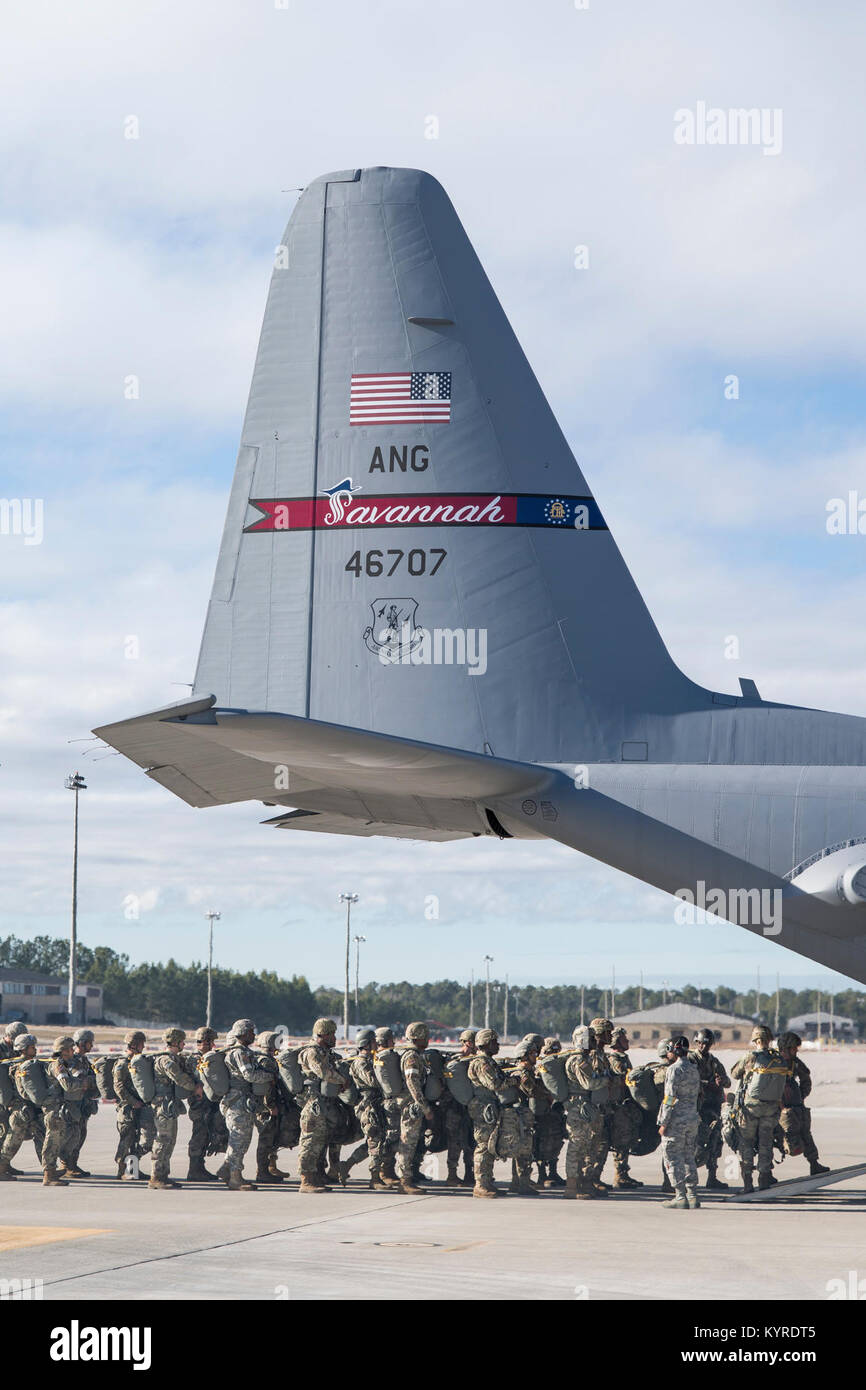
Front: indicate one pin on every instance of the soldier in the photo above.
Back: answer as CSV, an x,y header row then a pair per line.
x,y
7,1042
588,1077
369,1112
678,1123
549,1135
386,1061
209,1133
603,1030
795,1120
79,1109
318,1119
169,1076
267,1117
238,1106
135,1127
517,1121
714,1079
415,1108
488,1080
458,1126
762,1074
58,1081
624,1120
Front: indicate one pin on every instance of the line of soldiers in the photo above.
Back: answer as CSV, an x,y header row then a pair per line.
x,y
403,1105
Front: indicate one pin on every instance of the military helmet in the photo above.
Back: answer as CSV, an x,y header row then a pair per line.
x,y
418,1032
384,1036
552,1045
265,1041
133,1037
323,1026
619,1033
82,1035
485,1036
13,1030
665,1046
241,1026
704,1035
580,1037
174,1035
365,1036
205,1034
789,1040
525,1046
761,1034
680,1044
535,1039
601,1025
25,1040
468,1035
62,1043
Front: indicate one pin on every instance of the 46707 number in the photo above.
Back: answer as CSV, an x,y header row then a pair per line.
x,y
376,562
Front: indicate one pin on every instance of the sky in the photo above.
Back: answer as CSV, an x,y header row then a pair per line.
x,y
152,156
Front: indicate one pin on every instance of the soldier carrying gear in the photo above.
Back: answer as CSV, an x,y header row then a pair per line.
x,y
135,1125
714,1080
549,1135
587,1079
79,1109
320,1116
763,1076
10,1033
384,1037
369,1113
237,1106
209,1134
761,1035
795,1120
625,1121
488,1080
172,1080
415,1108
42,1088
268,1110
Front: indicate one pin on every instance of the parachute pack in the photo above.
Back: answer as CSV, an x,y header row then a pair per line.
x,y
552,1072
8,1093
290,1071
766,1080
642,1088
32,1081
141,1076
214,1074
389,1073
435,1082
104,1070
456,1078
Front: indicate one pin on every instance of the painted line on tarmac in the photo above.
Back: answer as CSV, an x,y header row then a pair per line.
x,y
226,1244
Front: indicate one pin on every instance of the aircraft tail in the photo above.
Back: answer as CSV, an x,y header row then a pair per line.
x,y
411,547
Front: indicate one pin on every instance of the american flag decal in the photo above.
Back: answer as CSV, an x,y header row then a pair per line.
x,y
406,398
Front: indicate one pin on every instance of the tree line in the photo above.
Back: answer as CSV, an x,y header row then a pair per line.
x,y
169,992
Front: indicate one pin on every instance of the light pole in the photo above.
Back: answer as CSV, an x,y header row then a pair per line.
x,y
358,940
472,1000
348,899
75,783
211,917
505,1014
487,960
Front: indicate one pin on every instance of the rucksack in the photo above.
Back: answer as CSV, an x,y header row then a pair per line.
x,y
389,1073
648,1137
767,1077
31,1081
642,1088
457,1080
345,1089
104,1069
551,1069
215,1079
290,1071
730,1128
141,1076
8,1093
435,1083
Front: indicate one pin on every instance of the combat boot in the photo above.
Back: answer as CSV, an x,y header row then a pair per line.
x,y
747,1180
309,1184
376,1182
666,1182
553,1178
263,1175
479,1190
16,1172
50,1178
343,1174
624,1183
815,1167
238,1183
6,1173
679,1201
714,1184
514,1185
570,1188
198,1173
527,1188
388,1179
164,1184
600,1189
222,1172
586,1191
765,1180
468,1179
409,1188
451,1176
274,1171
692,1198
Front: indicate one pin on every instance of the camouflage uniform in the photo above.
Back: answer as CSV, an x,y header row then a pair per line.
x,y
392,1107
756,1121
79,1111
237,1106
368,1110
678,1114
588,1077
49,1111
135,1126
267,1116
318,1116
549,1135
416,1108
795,1121
517,1121
713,1079
209,1134
169,1075
488,1080
7,1054
625,1117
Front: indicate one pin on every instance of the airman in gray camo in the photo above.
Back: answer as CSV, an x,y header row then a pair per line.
x,y
238,1105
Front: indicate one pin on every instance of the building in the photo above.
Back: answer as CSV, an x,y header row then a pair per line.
x,y
824,1024
39,999
647,1027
